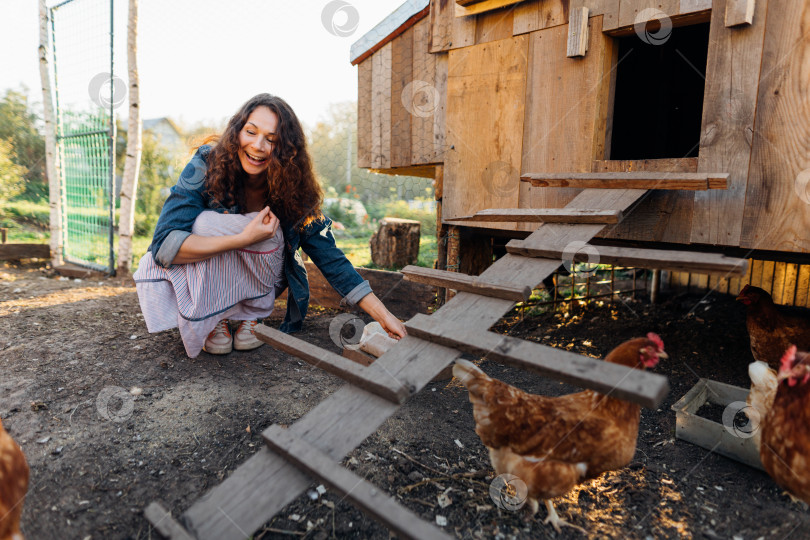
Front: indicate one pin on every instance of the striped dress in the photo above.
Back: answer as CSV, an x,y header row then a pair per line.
x,y
194,297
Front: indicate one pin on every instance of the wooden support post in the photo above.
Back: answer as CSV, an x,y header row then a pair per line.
x,y
629,180
453,259
376,381
655,287
363,494
470,284
577,32
4,234
616,380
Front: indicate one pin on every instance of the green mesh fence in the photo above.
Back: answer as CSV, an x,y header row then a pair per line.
x,y
84,88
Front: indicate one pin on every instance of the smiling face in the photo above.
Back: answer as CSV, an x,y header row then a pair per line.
x,y
256,141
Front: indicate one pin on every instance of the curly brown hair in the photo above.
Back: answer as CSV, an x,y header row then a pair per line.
x,y
293,193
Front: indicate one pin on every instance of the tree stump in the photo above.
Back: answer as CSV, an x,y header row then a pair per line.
x,y
396,243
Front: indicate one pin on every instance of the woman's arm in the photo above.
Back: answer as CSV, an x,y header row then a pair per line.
x,y
319,243
197,248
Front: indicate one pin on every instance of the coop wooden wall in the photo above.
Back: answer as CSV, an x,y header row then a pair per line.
x,y
512,103
788,283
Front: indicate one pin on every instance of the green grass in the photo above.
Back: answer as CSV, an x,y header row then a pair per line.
x,y
358,252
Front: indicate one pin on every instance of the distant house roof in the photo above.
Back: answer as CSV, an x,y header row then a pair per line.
x,y
396,23
153,122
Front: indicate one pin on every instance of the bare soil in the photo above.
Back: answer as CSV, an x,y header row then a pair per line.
x,y
71,351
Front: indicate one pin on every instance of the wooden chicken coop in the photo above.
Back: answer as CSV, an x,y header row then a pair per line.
x,y
505,101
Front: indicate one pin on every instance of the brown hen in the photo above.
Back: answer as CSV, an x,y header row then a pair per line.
x,y
770,329
553,443
785,443
13,485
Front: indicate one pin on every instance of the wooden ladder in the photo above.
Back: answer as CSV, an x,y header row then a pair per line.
x,y
313,446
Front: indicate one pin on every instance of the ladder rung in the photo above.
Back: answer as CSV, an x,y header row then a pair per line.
x,y
162,520
465,283
349,485
370,378
629,180
545,215
638,386
684,261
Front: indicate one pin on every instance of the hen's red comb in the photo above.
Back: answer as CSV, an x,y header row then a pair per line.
x,y
786,363
652,336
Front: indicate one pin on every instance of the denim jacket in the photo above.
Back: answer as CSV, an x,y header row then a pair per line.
x,y
188,198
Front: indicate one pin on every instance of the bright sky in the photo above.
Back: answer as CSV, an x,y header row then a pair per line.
x,y
199,60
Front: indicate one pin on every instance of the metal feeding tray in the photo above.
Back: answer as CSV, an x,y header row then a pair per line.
x,y
726,438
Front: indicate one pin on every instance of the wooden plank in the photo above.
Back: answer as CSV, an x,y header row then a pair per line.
x,y
803,286
756,273
538,14
400,20
482,7
633,12
422,171
402,110
545,215
739,12
609,9
494,25
482,162
776,203
463,282
688,261
427,99
24,251
381,108
791,276
628,180
448,31
163,522
265,483
373,380
663,215
618,381
729,105
564,119
356,355
372,500
364,117
577,32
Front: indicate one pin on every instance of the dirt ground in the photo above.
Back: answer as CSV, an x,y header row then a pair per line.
x,y
111,418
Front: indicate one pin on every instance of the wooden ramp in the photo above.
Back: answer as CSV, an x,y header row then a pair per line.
x,y
314,445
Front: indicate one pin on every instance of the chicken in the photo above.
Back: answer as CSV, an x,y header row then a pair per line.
x,y
771,330
786,427
553,443
13,485
760,398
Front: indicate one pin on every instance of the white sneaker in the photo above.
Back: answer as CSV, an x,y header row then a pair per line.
x,y
219,341
245,338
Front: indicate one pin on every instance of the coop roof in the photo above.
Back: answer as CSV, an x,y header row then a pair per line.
x,y
396,23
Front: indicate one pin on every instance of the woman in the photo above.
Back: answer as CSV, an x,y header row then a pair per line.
x,y
256,187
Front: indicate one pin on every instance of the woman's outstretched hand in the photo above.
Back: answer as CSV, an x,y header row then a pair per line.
x,y
261,227
374,307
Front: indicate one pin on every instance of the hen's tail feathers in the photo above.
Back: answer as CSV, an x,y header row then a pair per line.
x,y
467,372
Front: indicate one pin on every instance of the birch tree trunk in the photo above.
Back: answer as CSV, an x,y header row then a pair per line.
x,y
129,185
51,164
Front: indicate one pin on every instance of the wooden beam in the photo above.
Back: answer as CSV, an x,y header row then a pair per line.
x,y
629,180
577,32
474,8
376,381
545,215
24,251
683,261
636,385
739,12
465,283
363,494
162,520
